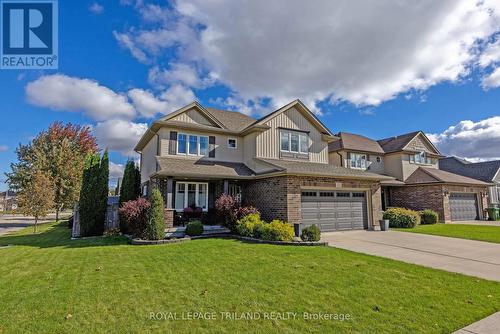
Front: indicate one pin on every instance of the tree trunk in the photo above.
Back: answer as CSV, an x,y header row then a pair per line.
x,y
57,214
35,226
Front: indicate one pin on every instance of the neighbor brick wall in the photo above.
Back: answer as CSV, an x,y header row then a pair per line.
x,y
280,197
433,197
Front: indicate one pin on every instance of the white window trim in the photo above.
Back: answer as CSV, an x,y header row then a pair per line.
x,y
360,155
186,194
198,145
300,133
235,143
427,160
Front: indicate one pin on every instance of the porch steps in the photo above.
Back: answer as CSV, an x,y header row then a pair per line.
x,y
180,231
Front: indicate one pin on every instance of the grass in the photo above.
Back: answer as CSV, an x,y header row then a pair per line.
x,y
472,232
107,286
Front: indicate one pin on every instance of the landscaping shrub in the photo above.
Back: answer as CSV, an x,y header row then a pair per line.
x,y
133,216
226,207
278,230
155,226
429,216
194,228
311,233
243,211
246,225
259,230
400,217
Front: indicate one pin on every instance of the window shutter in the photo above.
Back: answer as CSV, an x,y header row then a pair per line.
x,y
172,143
348,155
211,147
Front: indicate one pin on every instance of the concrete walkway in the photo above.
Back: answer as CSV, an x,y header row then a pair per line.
x,y
488,325
469,257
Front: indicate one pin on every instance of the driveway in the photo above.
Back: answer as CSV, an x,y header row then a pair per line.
x,y
477,222
469,257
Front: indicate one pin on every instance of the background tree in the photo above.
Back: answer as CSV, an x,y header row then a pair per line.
x,y
131,184
103,188
90,217
37,198
59,152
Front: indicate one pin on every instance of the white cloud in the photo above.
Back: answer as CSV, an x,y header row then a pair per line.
x,y
146,104
176,74
491,54
61,92
492,80
4,148
471,140
96,8
119,135
177,96
115,170
126,42
358,51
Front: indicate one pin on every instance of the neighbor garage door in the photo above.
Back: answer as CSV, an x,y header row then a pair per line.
x,y
334,210
463,207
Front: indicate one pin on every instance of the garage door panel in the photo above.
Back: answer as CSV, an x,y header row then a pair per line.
x,y
334,210
463,206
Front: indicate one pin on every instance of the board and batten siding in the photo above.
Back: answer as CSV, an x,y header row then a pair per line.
x,y
192,117
267,142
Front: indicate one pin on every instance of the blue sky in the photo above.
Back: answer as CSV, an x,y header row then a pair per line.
x,y
124,63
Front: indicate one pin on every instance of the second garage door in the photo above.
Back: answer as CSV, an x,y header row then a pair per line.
x,y
463,206
334,210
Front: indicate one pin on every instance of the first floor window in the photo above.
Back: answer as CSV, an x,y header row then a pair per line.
x,y
191,195
294,141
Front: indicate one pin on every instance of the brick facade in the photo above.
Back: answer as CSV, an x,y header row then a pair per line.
x,y
435,197
169,218
280,197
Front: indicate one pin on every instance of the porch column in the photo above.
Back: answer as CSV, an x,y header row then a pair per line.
x,y
226,187
170,191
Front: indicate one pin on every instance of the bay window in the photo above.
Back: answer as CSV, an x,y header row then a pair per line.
x,y
192,144
191,195
294,141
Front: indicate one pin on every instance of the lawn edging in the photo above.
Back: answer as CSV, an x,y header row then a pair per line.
x,y
134,241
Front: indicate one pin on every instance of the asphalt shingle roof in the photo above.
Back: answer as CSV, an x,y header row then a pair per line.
x,y
397,143
205,168
350,141
232,120
484,171
442,176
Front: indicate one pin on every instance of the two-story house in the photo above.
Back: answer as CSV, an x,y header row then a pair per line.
x,y
278,163
418,182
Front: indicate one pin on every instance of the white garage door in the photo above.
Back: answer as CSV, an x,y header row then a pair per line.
x,y
334,210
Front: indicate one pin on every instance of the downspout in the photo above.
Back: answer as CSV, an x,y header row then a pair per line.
x,y
157,150
341,159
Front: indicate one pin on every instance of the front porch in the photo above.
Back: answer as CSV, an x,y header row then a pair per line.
x,y
189,199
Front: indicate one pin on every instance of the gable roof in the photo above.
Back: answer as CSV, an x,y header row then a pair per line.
x,y
302,108
200,109
425,175
353,142
232,120
484,171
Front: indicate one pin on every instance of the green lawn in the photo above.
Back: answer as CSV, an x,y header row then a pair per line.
x,y
473,232
109,286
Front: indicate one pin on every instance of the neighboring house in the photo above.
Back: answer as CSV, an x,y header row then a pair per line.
x,y
418,183
8,201
488,171
278,163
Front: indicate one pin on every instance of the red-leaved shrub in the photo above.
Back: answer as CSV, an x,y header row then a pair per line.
x,y
133,217
229,211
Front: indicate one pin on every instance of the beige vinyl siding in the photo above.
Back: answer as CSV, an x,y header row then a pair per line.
x,y
418,144
267,142
222,152
148,159
193,117
393,166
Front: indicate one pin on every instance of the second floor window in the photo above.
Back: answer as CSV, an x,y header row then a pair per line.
x,y
192,144
294,141
421,158
358,160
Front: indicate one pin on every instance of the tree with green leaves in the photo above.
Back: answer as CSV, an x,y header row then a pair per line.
x,y
103,188
91,220
155,226
131,184
37,198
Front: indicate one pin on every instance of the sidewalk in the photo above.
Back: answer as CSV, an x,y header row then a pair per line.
x,y
488,325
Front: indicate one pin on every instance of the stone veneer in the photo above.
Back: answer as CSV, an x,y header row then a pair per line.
x,y
435,197
280,197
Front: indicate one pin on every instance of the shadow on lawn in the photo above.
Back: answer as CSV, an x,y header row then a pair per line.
x,y
56,235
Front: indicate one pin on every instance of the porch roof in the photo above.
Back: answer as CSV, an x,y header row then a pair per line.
x,y
425,175
202,168
319,169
